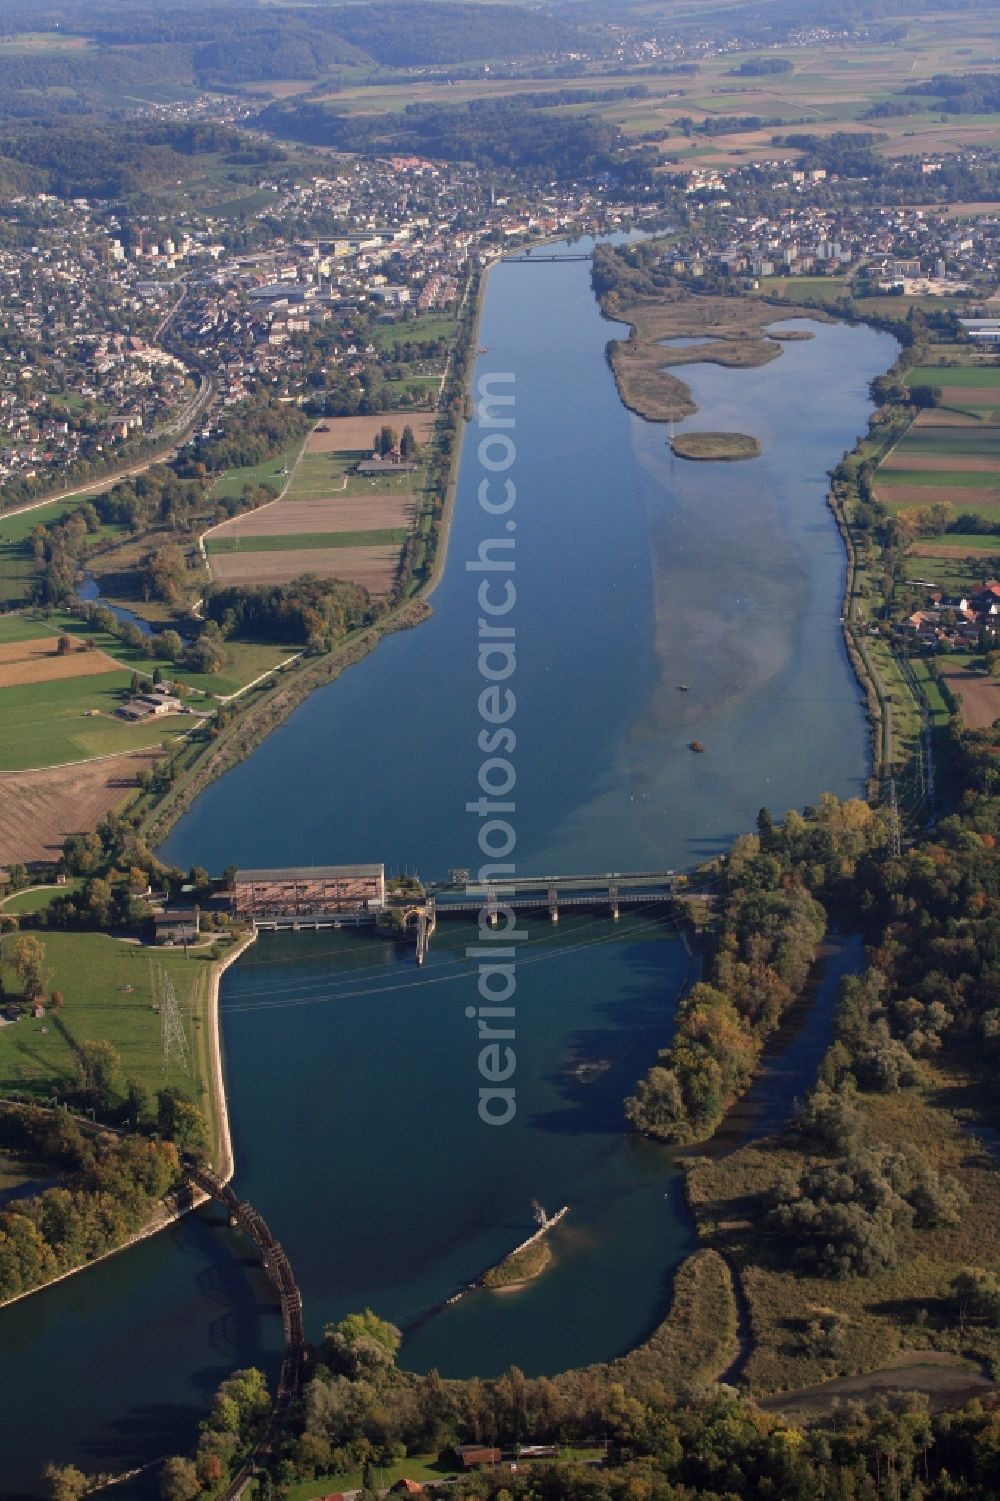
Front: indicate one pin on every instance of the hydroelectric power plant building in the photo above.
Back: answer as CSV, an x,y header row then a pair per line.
x,y
307,893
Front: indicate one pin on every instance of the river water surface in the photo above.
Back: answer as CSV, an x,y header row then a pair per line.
x,y
351,1075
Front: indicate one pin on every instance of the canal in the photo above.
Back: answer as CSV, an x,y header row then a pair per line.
x,y
352,1077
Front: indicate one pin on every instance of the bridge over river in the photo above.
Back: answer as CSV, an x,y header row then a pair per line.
x,y
278,1268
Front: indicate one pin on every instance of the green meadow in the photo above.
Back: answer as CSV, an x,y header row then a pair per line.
x,y
962,479
296,541
109,988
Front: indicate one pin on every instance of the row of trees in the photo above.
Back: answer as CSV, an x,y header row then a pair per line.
x,y
108,1189
774,891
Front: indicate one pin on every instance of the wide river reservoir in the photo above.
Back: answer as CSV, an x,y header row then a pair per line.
x,y
352,1087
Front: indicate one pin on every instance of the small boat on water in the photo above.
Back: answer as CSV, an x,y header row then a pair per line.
x,y
683,688
696,745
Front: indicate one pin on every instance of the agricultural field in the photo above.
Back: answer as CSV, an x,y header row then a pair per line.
x,y
59,709
951,453
110,990
40,809
804,289
374,568
329,520
830,87
976,691
73,719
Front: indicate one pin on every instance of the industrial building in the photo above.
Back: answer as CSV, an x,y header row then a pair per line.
x,y
308,891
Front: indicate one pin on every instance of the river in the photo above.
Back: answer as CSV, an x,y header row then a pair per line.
x,y
351,1074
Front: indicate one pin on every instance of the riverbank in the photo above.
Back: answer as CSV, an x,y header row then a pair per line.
x,y
223,1160
267,711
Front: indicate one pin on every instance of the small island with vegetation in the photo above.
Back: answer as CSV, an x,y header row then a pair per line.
x,y
530,1258
522,1265
722,447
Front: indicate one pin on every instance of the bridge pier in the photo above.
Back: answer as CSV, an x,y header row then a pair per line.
x,y
613,901
553,904
493,910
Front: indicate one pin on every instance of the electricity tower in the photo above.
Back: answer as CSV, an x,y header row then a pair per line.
x,y
894,846
175,1048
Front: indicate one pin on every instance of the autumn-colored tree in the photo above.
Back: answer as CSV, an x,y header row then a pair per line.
x,y
65,1482
28,958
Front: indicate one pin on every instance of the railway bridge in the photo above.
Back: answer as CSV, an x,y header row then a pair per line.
x,y
278,1268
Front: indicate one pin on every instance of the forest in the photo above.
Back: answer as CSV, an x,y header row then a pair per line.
x,y
501,133
107,1188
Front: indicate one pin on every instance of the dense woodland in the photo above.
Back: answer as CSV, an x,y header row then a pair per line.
x,y
106,1188
501,133
775,893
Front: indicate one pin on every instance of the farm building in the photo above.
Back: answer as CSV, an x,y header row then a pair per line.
x,y
472,1456
308,891
176,925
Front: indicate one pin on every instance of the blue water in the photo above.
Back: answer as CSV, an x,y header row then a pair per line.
x,y
635,572
354,1114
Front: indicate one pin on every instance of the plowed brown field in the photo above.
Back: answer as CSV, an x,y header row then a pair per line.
x,y
355,434
372,567
979,695
957,463
987,498
285,518
971,396
50,667
39,809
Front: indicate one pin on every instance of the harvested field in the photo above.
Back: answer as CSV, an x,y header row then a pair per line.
x,y
940,417
39,809
959,550
979,696
48,667
372,567
356,434
970,396
21,651
981,504
906,458
357,513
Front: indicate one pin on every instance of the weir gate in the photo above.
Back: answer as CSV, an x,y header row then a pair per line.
x,y
307,898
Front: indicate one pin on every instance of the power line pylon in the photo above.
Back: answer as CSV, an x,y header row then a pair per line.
x,y
894,846
175,1048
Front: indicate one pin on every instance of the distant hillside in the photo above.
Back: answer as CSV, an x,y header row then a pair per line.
x,y
416,33
503,133
181,46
